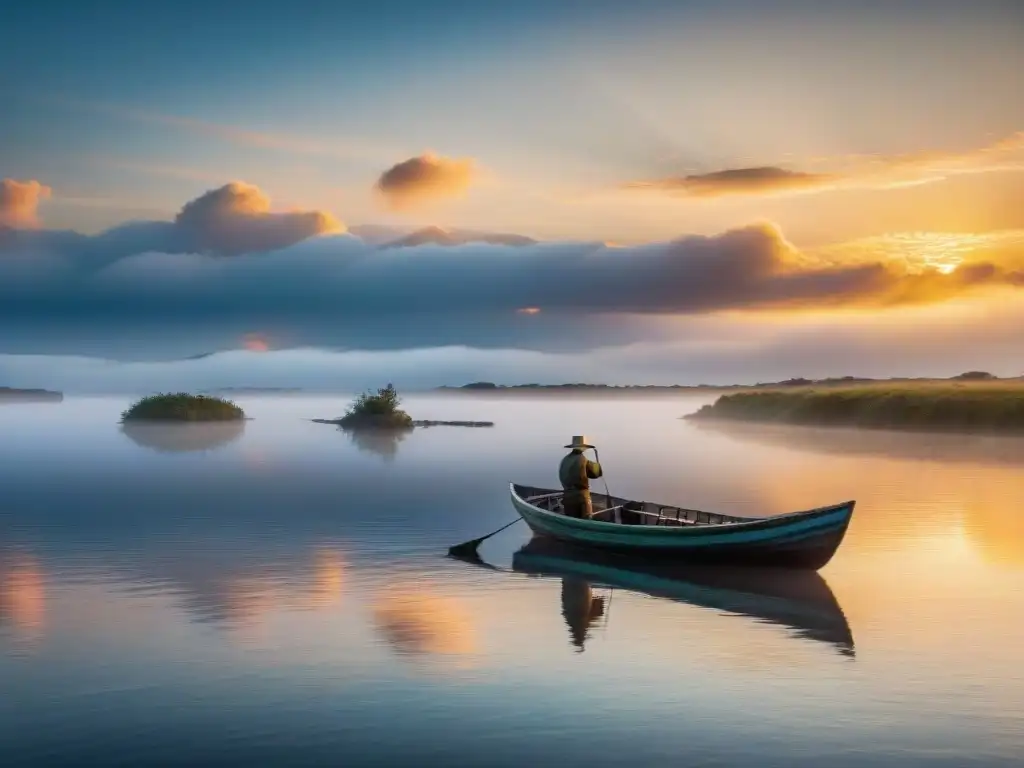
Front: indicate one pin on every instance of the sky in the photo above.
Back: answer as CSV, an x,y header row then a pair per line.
x,y
706,189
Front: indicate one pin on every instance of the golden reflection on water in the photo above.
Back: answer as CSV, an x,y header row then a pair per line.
x,y
936,546
993,522
23,597
252,600
954,486
418,620
328,580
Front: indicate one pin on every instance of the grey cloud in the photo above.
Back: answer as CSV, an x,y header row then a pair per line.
x,y
851,172
738,181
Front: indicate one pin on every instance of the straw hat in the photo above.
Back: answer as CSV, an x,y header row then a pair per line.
x,y
579,441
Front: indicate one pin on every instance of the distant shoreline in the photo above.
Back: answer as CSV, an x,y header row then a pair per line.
x,y
16,395
796,384
254,390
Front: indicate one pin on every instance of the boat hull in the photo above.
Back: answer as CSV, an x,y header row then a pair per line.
x,y
803,540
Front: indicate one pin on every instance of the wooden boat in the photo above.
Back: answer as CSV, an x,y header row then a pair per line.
x,y
805,540
798,600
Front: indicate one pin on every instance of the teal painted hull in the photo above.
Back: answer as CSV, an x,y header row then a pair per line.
x,y
805,540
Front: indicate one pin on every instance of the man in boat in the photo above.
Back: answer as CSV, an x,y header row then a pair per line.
x,y
575,473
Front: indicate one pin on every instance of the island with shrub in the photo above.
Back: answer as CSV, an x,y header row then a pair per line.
x,y
379,411
974,402
182,407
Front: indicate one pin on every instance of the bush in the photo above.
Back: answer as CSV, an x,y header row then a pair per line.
x,y
377,411
975,376
182,406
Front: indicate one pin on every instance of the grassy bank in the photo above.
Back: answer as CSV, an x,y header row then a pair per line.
x,y
182,407
996,406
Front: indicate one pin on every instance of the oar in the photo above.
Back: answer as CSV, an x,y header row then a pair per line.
x,y
468,548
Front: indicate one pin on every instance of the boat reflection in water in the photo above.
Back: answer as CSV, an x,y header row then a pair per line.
x,y
800,601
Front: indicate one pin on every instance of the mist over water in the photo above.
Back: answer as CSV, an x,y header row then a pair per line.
x,y
277,592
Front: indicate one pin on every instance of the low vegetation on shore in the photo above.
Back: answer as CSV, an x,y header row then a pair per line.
x,y
377,410
964,405
786,384
182,407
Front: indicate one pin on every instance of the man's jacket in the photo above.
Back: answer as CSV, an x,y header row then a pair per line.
x,y
576,471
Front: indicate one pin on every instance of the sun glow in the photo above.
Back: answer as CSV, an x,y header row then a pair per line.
x,y
255,343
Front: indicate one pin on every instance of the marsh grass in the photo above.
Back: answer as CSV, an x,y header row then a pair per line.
x,y
182,407
377,410
961,406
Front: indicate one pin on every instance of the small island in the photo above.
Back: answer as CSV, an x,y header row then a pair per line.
x,y
380,411
968,403
376,411
182,407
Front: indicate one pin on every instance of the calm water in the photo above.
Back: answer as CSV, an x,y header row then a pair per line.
x,y
278,594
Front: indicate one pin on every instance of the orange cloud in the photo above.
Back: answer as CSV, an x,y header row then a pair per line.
x,y
425,178
853,172
236,218
19,202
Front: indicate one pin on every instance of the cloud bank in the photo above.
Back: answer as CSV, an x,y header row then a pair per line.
x,y
295,280
19,202
426,178
855,172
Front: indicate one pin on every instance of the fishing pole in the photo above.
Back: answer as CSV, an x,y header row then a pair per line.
x,y
607,493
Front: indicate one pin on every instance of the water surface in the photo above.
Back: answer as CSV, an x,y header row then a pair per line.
x,y
277,593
